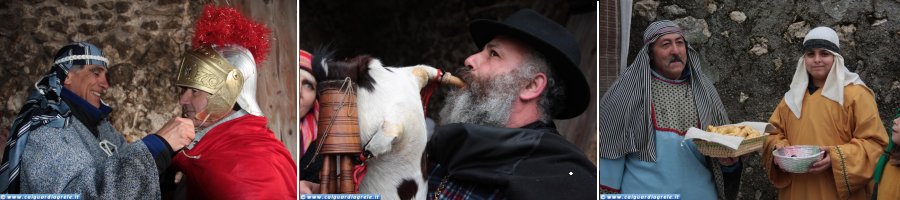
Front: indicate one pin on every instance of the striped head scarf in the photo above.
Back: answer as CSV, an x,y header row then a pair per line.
x,y
44,107
625,110
308,124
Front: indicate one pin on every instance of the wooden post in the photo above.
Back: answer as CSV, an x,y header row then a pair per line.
x,y
327,176
346,181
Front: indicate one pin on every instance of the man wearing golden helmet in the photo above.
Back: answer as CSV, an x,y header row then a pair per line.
x,y
234,155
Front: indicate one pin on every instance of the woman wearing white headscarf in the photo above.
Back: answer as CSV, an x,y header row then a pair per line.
x,y
830,107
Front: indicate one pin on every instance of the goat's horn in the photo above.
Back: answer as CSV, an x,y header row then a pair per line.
x,y
426,73
421,73
448,78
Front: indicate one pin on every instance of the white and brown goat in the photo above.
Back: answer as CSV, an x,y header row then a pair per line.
x,y
391,121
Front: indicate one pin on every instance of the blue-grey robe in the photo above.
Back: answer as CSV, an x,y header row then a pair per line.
x,y
70,160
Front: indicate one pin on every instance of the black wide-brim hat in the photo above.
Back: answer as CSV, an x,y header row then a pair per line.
x,y
552,40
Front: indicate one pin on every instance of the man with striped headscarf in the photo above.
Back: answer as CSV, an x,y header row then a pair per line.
x,y
63,142
830,107
647,111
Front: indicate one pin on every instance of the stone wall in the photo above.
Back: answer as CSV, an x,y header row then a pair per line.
x,y
749,48
144,41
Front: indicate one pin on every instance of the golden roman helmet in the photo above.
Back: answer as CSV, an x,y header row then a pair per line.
x,y
206,70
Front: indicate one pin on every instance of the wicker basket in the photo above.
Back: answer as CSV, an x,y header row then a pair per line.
x,y
717,150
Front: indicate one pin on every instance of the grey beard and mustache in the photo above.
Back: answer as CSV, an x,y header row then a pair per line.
x,y
484,101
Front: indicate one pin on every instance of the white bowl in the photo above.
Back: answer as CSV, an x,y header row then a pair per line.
x,y
797,159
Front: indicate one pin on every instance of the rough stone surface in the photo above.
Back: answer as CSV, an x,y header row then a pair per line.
x,y
144,41
672,11
695,30
796,31
752,82
879,22
738,16
646,8
836,8
760,46
711,7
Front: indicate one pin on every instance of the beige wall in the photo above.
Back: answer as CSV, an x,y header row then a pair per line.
x,y
277,87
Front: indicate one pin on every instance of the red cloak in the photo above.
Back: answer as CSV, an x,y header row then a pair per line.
x,y
238,159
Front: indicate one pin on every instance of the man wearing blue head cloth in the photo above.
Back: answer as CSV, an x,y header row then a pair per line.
x,y
645,115
63,142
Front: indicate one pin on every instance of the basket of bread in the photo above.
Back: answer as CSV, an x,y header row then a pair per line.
x,y
729,140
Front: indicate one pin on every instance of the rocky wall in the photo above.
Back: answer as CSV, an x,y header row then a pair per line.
x,y
750,50
144,41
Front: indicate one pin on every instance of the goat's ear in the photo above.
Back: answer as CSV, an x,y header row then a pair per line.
x,y
534,88
361,66
384,138
392,129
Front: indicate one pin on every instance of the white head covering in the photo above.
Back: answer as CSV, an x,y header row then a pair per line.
x,y
243,60
838,77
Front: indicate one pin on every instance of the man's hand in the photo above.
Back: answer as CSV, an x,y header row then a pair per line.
x,y
823,164
178,132
728,161
307,187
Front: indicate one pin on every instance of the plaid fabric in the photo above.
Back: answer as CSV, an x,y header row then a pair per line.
x,y
457,189
79,53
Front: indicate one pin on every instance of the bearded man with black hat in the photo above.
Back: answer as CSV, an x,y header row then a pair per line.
x,y
830,107
645,115
65,144
497,138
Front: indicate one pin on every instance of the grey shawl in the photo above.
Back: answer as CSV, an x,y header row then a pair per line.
x,y
70,160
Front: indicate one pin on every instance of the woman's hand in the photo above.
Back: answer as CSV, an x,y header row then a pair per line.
x,y
307,187
823,164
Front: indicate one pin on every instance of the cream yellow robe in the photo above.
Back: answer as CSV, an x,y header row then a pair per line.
x,y
853,133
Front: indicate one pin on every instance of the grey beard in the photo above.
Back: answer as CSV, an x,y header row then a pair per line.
x,y
483,102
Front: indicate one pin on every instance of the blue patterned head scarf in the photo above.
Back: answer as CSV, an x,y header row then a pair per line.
x,y
44,107
79,53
